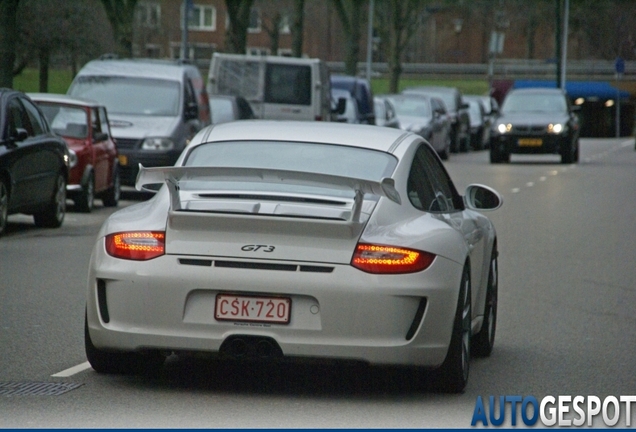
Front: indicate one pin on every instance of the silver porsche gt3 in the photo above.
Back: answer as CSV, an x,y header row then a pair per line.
x,y
298,240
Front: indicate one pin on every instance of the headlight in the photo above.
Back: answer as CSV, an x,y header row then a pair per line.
x,y
555,128
503,128
157,143
72,158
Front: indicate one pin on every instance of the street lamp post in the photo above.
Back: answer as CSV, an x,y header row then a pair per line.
x,y
458,24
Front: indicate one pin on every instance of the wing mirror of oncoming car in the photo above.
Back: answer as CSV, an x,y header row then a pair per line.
x,y
340,107
191,111
480,197
100,136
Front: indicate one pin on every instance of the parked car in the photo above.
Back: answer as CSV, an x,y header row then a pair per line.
x,y
275,239
536,121
350,112
479,128
155,107
360,89
84,126
385,113
34,163
457,109
226,108
425,116
277,87
491,110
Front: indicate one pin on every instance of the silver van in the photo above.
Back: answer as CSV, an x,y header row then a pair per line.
x,y
155,107
277,88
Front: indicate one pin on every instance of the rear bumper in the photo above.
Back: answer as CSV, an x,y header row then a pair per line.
x,y
347,314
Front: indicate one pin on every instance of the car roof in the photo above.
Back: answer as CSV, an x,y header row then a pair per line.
x,y
63,99
363,136
538,90
432,89
147,68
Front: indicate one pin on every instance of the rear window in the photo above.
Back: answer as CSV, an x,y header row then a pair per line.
x,y
305,157
288,84
66,120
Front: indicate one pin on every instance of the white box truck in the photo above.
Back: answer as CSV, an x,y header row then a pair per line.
x,y
277,88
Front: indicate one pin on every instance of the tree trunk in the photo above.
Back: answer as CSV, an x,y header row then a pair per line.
x,y
297,28
44,56
351,15
239,16
8,41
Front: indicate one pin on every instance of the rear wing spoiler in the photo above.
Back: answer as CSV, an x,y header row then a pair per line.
x,y
173,175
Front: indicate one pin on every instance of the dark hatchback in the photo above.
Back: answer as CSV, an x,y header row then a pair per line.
x,y
33,163
536,121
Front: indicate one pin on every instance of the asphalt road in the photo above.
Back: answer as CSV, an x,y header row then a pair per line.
x,y
566,323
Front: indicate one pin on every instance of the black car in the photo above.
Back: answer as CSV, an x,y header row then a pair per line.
x,y
33,163
536,121
457,109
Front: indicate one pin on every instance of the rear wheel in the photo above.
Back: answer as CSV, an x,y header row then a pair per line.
x,y
126,363
452,375
53,215
484,341
111,196
86,198
4,206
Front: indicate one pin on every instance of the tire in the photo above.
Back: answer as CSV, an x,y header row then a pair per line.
x,y
495,156
452,375
484,341
86,198
4,206
455,141
110,198
53,215
576,151
123,363
568,155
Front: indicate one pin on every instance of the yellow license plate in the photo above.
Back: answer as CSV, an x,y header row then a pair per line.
x,y
530,142
123,160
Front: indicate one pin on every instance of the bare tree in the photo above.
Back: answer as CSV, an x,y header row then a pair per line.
x,y
351,14
239,16
396,23
8,41
121,15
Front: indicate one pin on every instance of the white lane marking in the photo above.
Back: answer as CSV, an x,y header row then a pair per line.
x,y
530,184
515,190
542,178
72,371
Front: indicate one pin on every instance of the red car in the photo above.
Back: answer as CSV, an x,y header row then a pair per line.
x,y
94,165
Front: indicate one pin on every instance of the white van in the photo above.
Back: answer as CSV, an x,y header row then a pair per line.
x,y
277,88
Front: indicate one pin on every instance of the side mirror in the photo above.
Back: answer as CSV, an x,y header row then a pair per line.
x,y
100,136
191,111
20,135
340,108
480,197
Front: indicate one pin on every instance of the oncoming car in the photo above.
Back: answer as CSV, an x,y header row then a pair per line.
x,y
298,240
536,121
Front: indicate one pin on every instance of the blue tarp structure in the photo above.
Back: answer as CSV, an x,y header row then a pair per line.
x,y
577,89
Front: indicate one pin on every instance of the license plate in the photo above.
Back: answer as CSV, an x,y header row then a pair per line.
x,y
530,142
252,309
123,160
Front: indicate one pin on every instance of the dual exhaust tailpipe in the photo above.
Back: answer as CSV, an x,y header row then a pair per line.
x,y
251,347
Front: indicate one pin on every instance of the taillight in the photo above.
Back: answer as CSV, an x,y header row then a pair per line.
x,y
136,245
389,259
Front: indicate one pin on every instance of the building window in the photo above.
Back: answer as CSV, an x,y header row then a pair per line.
x,y
257,51
255,21
149,14
203,18
285,23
